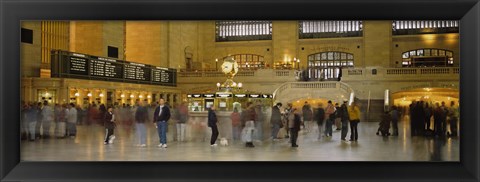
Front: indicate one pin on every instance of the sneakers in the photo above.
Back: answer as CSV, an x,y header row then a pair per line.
x,y
214,145
143,145
105,143
110,140
162,145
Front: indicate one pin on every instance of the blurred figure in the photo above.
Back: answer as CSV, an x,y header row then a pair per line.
x,y
39,120
182,121
395,115
212,123
413,118
384,125
307,116
80,114
354,114
47,119
320,117
453,114
249,129
236,124
141,116
439,117
428,115
31,117
161,117
330,115
24,122
72,120
61,128
276,120
338,117
294,126
344,117
259,121
109,123
286,121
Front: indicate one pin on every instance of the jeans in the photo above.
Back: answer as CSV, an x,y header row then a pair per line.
x,y
236,132
344,129
181,132
320,126
275,129
294,136
328,127
72,129
214,137
259,129
162,131
395,128
31,129
353,130
141,133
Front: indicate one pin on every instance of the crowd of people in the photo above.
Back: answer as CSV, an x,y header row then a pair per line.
x,y
421,114
43,121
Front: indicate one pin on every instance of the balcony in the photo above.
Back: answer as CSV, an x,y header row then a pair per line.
x,y
404,74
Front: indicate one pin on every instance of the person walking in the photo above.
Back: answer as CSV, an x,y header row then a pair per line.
x,y
343,110
320,117
141,117
395,115
161,117
354,114
428,116
236,124
212,123
438,118
249,128
72,120
338,117
330,115
276,120
285,121
307,117
294,126
47,119
453,113
31,117
182,121
109,123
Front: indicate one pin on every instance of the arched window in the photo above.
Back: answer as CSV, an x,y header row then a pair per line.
x,y
424,27
427,57
248,61
328,65
328,29
243,30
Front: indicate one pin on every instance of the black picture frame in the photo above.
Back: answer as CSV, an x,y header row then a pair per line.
x,y
12,12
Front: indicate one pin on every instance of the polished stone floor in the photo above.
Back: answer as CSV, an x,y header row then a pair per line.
x,y
88,146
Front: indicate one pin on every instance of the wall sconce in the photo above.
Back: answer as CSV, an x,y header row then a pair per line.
x,y
122,96
140,96
218,84
101,95
77,94
149,96
132,96
89,94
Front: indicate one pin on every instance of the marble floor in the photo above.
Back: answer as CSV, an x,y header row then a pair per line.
x,y
88,146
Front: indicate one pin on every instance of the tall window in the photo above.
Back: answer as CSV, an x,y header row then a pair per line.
x,y
248,61
327,29
55,35
243,30
427,58
328,65
424,27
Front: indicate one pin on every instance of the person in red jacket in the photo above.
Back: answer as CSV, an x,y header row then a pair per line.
x,y
236,125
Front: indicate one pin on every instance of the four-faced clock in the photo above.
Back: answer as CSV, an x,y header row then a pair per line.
x,y
227,67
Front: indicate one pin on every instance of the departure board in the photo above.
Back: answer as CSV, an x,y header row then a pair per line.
x,y
135,71
76,65
163,76
104,67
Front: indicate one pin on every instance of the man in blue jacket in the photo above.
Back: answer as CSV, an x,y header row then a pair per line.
x,y
161,117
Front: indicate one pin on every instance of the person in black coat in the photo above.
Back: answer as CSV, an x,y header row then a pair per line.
x,y
320,117
212,123
276,120
109,126
295,127
141,116
161,117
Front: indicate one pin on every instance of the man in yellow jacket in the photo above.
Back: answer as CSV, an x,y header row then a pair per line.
x,y
354,116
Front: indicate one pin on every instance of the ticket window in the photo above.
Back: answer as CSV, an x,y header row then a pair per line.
x,y
195,105
208,103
